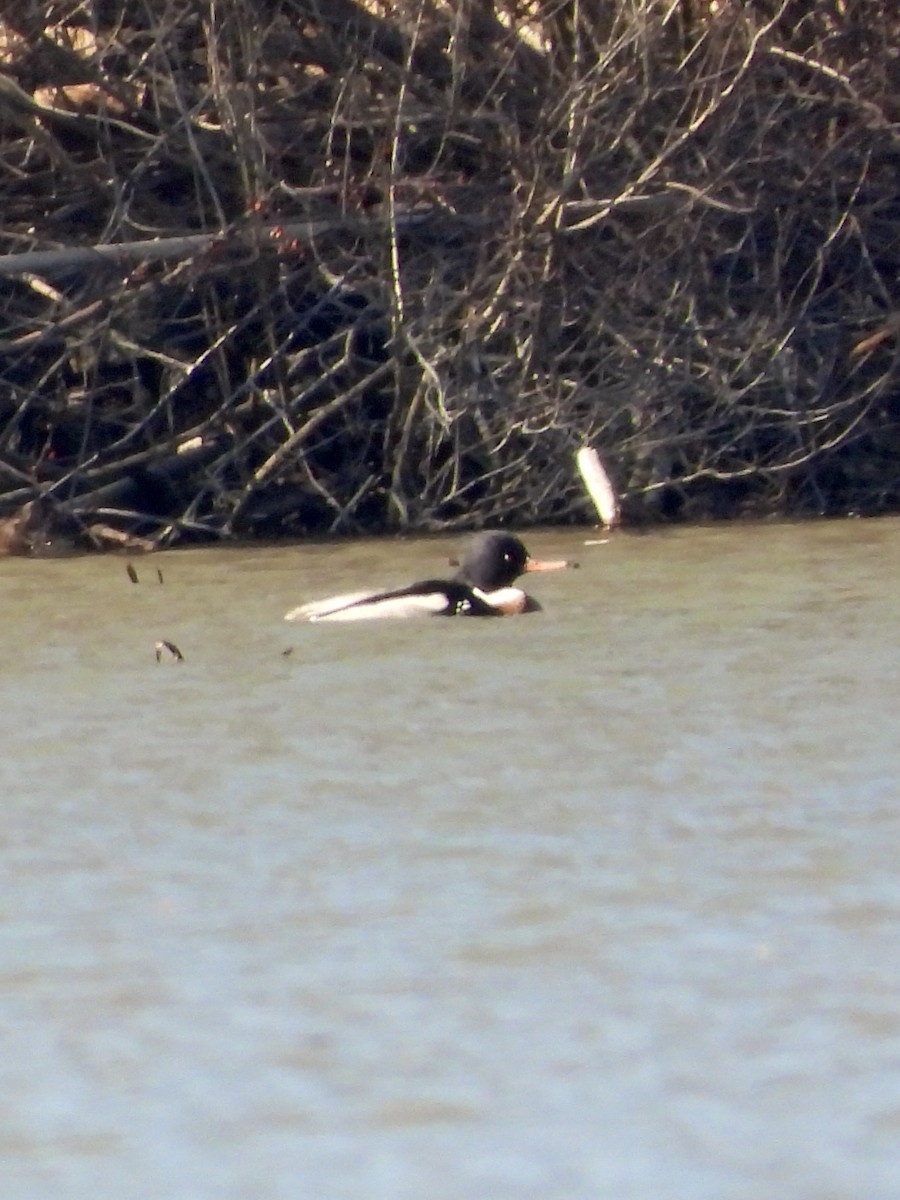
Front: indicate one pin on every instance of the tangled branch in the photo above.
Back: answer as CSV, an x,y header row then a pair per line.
x,y
339,265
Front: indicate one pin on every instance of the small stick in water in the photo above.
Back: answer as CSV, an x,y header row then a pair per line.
x,y
599,486
132,573
172,649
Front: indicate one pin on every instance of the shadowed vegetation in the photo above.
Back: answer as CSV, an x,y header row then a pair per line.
x,y
431,248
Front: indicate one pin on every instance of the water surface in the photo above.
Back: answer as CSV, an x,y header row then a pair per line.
x,y
601,902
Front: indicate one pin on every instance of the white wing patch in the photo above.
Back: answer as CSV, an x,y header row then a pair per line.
x,y
366,606
315,610
353,607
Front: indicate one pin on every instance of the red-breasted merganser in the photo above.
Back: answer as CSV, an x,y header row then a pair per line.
x,y
482,587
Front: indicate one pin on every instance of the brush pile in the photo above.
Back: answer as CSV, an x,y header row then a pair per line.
x,y
288,267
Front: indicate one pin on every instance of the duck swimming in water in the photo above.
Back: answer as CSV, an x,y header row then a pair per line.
x,y
482,587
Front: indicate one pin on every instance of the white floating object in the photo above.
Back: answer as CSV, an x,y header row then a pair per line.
x,y
599,486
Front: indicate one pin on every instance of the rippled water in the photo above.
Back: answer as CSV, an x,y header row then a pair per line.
x,y
601,902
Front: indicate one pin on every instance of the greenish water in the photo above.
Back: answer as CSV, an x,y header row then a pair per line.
x,y
600,902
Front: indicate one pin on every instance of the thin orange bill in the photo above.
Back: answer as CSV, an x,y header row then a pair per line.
x,y
557,564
